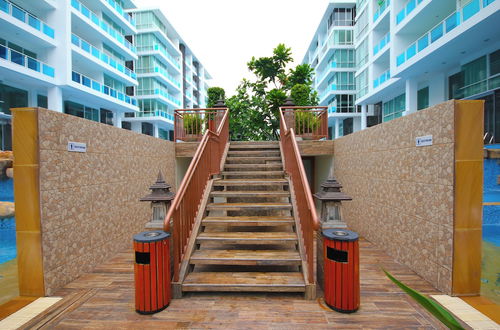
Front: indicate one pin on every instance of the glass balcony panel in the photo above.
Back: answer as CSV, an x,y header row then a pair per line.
x,y
470,9
85,46
121,97
75,40
84,10
48,70
410,6
423,42
3,52
400,16
113,93
452,22
105,89
75,4
48,31
75,77
96,53
16,57
411,51
437,33
18,13
34,22
487,2
33,64
86,81
96,86
4,6
400,59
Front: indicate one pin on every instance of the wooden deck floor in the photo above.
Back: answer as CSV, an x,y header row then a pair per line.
x,y
108,302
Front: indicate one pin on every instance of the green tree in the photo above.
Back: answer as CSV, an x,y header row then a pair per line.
x,y
215,94
254,108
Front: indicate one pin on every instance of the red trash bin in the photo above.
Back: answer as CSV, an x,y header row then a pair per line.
x,y
152,271
341,269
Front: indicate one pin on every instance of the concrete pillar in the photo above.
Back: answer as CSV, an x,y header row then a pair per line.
x,y
156,131
55,99
364,112
437,89
337,128
117,119
411,96
136,126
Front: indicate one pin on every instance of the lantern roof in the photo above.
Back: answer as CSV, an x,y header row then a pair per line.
x,y
160,191
330,191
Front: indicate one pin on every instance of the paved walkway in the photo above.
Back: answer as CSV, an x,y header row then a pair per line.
x,y
106,300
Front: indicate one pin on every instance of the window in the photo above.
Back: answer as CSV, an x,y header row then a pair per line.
x,y
342,37
361,24
362,83
474,74
347,126
127,125
394,108
362,53
345,103
107,117
342,81
79,110
147,128
343,58
41,101
423,98
494,81
455,83
341,17
162,134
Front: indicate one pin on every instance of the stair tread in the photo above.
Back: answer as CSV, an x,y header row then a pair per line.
x,y
251,218
250,193
252,152
248,236
249,205
251,180
254,157
252,172
261,279
267,255
253,165
254,146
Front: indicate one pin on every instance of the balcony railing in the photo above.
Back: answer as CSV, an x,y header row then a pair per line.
x,y
442,28
408,8
25,17
102,25
381,10
382,43
26,61
162,71
191,124
162,50
161,92
382,78
119,9
103,57
304,208
98,87
154,113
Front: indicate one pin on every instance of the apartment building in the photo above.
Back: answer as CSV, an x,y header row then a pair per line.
x,y
416,53
75,57
169,74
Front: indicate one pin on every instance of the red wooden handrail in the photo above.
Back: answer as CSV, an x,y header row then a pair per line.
x,y
191,124
205,163
306,209
309,122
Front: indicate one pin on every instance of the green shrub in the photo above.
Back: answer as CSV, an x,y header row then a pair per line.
x,y
193,123
306,122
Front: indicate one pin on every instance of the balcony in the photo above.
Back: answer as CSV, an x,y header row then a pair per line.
x,y
103,26
104,58
159,48
25,17
164,73
154,113
442,28
408,8
119,9
381,10
26,61
382,43
160,92
101,88
385,76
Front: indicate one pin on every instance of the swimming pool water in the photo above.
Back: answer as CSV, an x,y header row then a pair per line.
x,y
8,249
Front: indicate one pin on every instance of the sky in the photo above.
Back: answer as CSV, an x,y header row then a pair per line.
x,y
225,34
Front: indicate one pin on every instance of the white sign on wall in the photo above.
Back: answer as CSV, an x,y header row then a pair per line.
x,y
422,141
77,147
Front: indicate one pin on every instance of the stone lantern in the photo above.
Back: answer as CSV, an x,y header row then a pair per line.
x,y
331,198
160,198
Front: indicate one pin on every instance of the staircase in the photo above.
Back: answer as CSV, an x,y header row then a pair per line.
x,y
246,239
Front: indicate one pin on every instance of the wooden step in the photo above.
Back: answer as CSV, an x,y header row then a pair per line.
x,y
254,146
250,182
249,206
239,143
253,159
269,194
252,173
262,167
253,153
248,220
248,237
245,257
244,281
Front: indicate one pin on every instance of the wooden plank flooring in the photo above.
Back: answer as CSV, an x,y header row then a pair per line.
x,y
383,305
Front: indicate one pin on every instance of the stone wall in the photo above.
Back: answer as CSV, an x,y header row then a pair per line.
x,y
403,195
89,202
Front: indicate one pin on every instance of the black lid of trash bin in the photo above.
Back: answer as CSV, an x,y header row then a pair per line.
x,y
151,236
340,235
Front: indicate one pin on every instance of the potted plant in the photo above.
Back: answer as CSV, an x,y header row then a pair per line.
x,y
306,123
193,125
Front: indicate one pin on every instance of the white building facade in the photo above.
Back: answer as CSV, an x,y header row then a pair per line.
x,y
170,76
71,56
417,53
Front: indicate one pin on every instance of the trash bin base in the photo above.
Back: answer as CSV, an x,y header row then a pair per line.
x,y
341,310
152,312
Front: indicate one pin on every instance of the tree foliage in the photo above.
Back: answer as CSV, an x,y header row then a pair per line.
x,y
254,108
215,94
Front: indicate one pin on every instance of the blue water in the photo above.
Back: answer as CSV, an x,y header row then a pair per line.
x,y
8,249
